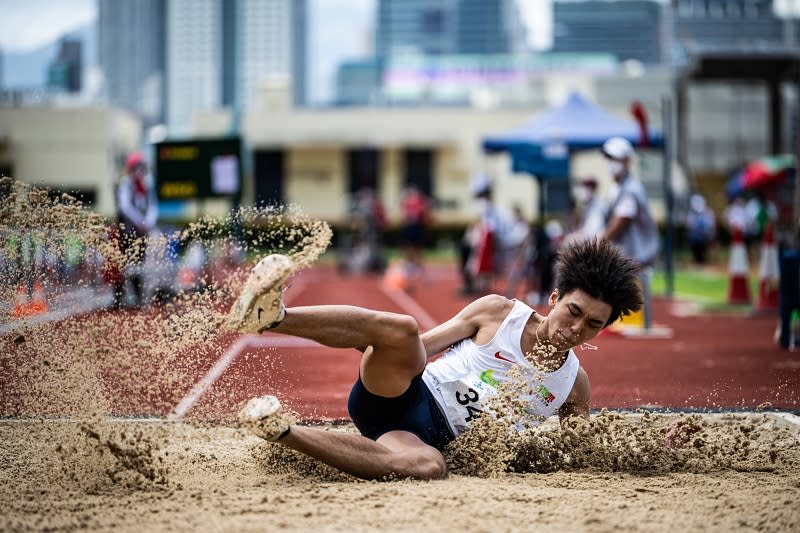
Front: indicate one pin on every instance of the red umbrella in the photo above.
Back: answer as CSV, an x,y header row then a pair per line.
x,y
765,171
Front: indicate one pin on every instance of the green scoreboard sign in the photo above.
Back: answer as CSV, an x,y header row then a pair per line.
x,y
198,168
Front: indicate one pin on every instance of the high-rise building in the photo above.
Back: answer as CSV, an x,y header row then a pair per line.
x,y
131,54
221,52
446,27
230,59
410,33
629,29
358,82
419,26
298,22
194,60
490,27
728,25
270,44
64,72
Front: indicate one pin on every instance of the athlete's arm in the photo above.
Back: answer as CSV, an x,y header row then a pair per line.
x,y
579,399
484,314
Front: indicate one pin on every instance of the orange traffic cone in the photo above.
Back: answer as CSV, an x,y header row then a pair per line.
x,y
21,301
395,276
38,303
768,273
738,269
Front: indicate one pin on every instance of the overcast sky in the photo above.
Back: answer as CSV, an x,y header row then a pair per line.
x,y
28,24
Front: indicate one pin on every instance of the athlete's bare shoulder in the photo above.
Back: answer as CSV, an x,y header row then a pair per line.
x,y
486,314
491,307
497,303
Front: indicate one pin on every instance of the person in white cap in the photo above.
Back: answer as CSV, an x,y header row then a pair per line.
x,y
630,223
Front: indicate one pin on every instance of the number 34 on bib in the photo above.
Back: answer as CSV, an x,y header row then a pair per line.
x,y
466,399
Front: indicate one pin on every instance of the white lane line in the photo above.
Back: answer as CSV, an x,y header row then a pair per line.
x,y
410,306
789,417
232,353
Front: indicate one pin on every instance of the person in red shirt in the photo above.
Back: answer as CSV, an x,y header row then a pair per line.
x,y
416,217
137,213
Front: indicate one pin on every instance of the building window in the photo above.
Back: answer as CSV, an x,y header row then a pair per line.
x,y
432,21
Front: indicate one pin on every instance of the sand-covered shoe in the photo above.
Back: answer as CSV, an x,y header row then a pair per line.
x,y
260,305
264,417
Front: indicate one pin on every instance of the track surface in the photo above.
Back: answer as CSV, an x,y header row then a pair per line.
x,y
712,361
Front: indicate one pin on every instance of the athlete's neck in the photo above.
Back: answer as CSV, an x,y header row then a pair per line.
x,y
543,355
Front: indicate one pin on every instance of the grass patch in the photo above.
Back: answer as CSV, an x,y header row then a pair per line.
x,y
708,288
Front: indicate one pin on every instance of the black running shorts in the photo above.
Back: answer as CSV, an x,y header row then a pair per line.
x,y
415,411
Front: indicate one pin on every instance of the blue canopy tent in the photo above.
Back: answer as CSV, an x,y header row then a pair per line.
x,y
542,146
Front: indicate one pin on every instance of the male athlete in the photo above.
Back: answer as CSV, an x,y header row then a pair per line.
x,y
406,408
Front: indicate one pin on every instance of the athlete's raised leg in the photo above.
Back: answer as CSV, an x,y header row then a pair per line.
x,y
393,351
393,355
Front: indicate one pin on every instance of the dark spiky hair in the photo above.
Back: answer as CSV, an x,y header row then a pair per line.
x,y
600,269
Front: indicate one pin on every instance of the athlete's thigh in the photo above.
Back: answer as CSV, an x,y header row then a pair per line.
x,y
388,371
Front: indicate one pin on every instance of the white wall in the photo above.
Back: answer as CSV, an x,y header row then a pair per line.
x,y
69,148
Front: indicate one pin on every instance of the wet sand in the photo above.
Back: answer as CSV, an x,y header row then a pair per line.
x,y
156,476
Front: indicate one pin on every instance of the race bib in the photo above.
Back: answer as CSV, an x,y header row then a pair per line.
x,y
465,400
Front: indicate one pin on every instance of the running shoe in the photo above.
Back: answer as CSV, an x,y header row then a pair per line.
x,y
264,417
260,305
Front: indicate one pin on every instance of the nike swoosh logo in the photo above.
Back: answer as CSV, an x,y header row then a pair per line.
x,y
498,355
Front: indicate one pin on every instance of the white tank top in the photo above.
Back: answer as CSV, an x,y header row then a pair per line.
x,y
467,374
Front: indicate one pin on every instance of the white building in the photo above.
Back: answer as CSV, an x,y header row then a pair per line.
x,y
76,150
263,41
194,61
220,53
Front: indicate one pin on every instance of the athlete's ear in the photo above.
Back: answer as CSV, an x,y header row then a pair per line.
x,y
553,298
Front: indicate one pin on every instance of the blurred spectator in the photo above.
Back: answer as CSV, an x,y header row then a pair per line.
x,y
700,228
630,223
518,249
416,217
739,219
548,240
760,211
137,212
593,211
736,216
363,246
466,245
491,245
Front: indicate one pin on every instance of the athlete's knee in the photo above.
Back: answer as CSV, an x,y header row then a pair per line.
x,y
433,468
399,329
421,465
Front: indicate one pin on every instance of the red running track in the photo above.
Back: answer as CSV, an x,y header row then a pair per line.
x,y
712,361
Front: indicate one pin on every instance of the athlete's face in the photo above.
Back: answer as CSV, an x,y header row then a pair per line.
x,y
575,318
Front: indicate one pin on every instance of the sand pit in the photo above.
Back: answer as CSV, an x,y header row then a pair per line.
x,y
68,459
740,473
